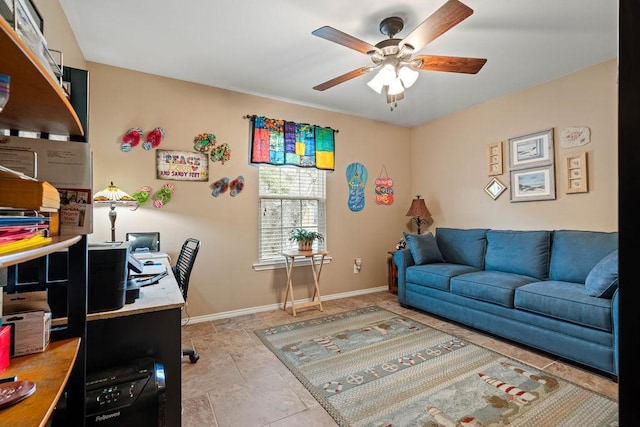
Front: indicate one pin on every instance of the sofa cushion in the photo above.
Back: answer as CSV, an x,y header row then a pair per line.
x,y
490,286
436,275
519,252
602,281
462,246
423,248
575,253
566,301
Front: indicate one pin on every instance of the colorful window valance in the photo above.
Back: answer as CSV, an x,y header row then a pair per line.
x,y
280,143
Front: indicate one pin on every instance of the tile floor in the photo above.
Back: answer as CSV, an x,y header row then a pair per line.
x,y
238,382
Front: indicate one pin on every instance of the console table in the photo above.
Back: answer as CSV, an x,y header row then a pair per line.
x,y
316,260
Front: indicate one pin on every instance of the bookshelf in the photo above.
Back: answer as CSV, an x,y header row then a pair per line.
x,y
38,104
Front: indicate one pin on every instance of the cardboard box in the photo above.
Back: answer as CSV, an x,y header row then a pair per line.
x,y
30,318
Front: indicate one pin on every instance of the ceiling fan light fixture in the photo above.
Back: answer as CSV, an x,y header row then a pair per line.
x,y
408,76
396,87
385,77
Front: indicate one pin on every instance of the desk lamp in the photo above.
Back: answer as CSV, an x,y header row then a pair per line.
x,y
419,211
114,196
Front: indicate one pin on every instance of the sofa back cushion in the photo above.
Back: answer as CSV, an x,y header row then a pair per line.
x,y
520,252
462,246
574,253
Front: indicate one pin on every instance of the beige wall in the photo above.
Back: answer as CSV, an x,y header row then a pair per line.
x,y
449,162
223,278
444,161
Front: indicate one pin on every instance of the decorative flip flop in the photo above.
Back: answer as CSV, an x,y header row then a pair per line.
x,y
219,187
163,195
153,138
236,186
356,179
141,196
221,153
204,142
131,139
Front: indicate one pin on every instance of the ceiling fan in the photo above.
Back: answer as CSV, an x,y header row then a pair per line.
x,y
398,68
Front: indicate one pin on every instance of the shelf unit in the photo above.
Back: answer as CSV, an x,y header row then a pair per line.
x,y
38,104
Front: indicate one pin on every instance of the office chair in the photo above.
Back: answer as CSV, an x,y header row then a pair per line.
x,y
182,272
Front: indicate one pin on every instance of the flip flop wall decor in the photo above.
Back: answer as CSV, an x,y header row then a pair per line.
x,y
357,176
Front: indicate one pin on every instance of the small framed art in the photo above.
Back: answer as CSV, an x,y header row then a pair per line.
x,y
533,184
494,159
495,188
535,149
576,174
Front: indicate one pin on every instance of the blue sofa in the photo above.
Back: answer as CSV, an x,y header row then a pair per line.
x,y
556,291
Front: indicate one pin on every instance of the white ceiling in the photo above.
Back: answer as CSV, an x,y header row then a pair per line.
x,y
265,47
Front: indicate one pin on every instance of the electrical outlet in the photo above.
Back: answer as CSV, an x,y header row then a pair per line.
x,y
357,265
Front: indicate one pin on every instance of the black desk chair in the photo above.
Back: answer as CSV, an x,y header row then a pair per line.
x,y
182,272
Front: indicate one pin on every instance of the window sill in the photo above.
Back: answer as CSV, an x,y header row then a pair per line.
x,y
276,263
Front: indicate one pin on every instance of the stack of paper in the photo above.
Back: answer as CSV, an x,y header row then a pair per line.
x,y
22,232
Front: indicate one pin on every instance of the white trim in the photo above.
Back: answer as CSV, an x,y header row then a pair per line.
x,y
253,310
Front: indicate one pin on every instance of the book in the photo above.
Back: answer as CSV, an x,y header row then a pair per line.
x,y
28,194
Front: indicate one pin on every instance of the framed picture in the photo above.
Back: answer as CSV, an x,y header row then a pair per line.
x,y
495,188
494,159
182,165
533,184
535,149
576,173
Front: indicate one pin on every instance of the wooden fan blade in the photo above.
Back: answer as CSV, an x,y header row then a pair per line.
x,y
344,39
449,15
343,78
451,64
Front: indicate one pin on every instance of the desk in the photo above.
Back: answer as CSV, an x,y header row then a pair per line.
x,y
148,327
316,259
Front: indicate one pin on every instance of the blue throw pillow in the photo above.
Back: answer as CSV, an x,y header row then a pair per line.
x,y
602,281
423,248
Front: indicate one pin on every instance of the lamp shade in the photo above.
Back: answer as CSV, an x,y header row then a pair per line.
x,y
418,208
112,193
114,196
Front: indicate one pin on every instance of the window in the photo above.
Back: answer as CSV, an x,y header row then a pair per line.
x,y
290,197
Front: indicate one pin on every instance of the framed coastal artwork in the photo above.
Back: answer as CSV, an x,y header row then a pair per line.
x,y
576,173
533,184
494,159
532,150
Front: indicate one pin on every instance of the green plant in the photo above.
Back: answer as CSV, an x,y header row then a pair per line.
x,y
300,234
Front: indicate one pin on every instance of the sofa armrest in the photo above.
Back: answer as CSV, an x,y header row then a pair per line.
x,y
615,322
403,259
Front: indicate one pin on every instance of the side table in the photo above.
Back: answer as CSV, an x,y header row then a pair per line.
x,y
316,260
392,273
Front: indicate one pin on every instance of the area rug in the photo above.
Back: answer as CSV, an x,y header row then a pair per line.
x,y
373,367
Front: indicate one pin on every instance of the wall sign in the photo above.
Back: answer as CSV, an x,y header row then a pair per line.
x,y
182,165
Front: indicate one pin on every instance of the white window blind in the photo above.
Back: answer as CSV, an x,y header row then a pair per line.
x,y
290,197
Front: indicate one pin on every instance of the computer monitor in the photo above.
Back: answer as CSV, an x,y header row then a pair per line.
x,y
144,241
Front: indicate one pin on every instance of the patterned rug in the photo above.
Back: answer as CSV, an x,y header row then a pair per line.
x,y
373,367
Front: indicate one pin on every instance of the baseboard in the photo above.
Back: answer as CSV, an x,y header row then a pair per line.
x,y
252,310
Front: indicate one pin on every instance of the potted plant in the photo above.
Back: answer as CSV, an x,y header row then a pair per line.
x,y
305,238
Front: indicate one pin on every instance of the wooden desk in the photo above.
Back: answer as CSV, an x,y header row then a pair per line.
x,y
149,327
50,371
316,259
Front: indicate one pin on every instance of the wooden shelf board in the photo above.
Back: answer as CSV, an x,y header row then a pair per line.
x,y
30,81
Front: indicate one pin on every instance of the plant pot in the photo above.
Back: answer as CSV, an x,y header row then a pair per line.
x,y
305,245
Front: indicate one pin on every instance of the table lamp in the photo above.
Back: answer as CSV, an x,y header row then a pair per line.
x,y
114,196
419,211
